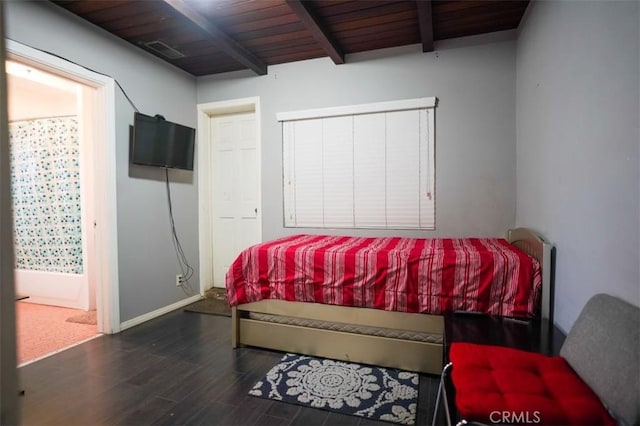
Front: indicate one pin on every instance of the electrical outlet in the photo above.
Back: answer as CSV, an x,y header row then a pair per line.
x,y
179,280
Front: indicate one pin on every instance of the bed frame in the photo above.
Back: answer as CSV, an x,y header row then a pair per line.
x,y
408,341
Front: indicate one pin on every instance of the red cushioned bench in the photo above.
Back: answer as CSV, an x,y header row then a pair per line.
x,y
594,381
495,383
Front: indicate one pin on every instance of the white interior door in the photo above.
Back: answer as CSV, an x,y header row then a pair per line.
x,y
236,189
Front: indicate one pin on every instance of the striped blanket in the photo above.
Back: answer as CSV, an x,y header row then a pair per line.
x,y
432,276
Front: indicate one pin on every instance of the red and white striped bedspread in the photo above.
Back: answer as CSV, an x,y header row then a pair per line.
x,y
432,276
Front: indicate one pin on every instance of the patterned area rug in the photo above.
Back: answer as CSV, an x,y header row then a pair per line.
x,y
358,390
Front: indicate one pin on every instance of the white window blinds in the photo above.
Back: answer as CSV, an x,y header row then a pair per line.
x,y
363,166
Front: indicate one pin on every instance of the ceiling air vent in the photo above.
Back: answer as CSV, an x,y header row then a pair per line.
x,y
164,50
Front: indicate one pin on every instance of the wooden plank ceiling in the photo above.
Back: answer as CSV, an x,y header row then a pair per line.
x,y
206,37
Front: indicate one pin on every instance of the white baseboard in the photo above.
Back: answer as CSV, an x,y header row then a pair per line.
x,y
158,312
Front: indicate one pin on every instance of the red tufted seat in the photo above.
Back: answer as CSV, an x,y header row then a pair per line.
x,y
503,385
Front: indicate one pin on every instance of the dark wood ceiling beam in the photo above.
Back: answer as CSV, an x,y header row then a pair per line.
x,y
220,38
320,34
425,18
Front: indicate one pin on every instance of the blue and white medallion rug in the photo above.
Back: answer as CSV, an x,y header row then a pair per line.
x,y
358,390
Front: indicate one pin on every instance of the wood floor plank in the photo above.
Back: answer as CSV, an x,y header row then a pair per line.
x,y
310,417
188,414
249,410
342,420
266,420
283,411
142,414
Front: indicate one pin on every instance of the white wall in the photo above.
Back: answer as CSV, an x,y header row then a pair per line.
x,y
29,100
146,258
474,80
577,126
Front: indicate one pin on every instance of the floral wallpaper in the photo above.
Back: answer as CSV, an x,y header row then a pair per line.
x,y
45,179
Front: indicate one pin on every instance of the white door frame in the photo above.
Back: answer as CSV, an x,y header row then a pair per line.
x,y
205,175
104,176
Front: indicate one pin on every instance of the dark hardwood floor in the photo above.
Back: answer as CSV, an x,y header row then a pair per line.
x,y
178,369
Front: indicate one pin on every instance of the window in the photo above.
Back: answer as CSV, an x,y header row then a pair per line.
x,y
361,166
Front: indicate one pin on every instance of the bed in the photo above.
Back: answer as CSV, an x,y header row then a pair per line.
x,y
381,301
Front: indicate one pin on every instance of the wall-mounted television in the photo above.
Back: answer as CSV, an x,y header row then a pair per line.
x,y
161,143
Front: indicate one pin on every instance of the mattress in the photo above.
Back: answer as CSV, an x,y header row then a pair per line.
x,y
431,276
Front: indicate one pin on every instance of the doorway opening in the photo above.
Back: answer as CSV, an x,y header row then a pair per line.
x,y
62,145
49,140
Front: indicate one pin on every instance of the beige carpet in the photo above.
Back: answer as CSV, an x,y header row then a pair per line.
x,y
214,303
43,329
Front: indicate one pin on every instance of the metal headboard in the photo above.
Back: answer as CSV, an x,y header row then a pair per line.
x,y
537,247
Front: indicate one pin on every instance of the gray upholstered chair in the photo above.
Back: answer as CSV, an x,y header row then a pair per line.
x,y
603,347
601,350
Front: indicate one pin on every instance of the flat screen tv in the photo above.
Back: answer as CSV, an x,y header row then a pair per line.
x,y
161,143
